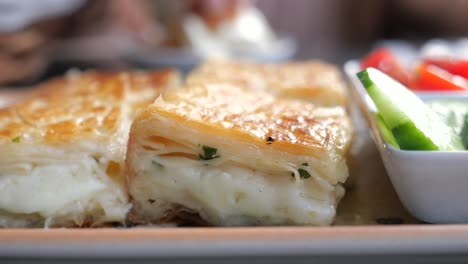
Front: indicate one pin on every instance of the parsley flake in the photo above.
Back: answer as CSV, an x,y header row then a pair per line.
x,y
16,139
209,153
303,173
157,164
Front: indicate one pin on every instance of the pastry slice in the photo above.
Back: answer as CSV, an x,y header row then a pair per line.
x,y
314,81
234,156
63,148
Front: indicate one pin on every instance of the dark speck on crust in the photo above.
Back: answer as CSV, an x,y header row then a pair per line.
x,y
270,140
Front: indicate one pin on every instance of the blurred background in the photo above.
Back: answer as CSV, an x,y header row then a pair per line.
x,y
40,39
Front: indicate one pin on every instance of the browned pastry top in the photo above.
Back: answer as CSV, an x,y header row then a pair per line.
x,y
314,80
81,105
296,126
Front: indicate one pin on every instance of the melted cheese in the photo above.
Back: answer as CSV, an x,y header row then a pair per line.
x,y
229,194
61,193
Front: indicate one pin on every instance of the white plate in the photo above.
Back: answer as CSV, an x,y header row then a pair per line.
x,y
307,243
186,59
431,184
356,239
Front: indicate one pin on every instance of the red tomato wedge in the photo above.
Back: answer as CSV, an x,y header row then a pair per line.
x,y
454,66
432,78
384,60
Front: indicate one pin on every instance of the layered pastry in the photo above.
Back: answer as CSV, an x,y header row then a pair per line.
x,y
63,148
314,81
232,155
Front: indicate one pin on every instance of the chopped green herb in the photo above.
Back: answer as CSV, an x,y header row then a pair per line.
x,y
292,174
209,153
464,132
16,139
303,173
389,221
305,164
151,201
157,164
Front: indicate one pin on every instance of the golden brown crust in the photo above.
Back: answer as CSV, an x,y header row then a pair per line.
x,y
315,80
81,105
251,116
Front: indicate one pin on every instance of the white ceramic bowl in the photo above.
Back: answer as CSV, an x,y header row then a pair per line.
x,y
433,185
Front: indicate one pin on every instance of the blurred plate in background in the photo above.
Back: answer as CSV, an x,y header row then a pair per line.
x,y
185,58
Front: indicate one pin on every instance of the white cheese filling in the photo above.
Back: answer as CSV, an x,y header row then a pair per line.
x,y
224,193
65,192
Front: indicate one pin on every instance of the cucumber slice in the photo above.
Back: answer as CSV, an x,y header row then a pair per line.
x,y
464,131
386,133
412,123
